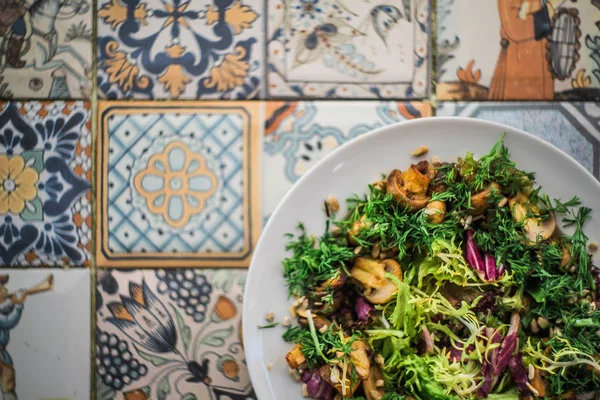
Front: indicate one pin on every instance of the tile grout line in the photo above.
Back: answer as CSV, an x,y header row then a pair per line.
x,y
93,268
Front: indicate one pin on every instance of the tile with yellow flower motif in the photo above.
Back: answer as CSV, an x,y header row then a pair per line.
x,y
45,175
348,48
509,50
171,334
177,184
180,49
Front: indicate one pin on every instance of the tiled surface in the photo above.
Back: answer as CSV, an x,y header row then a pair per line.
x,y
180,49
46,49
348,49
572,127
300,134
55,364
45,172
178,184
176,334
518,50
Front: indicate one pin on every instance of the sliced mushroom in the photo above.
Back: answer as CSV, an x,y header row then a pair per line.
x,y
409,188
539,383
436,211
360,359
371,273
480,201
350,387
295,357
362,223
370,385
534,227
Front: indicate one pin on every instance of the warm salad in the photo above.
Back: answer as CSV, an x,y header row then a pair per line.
x,y
449,280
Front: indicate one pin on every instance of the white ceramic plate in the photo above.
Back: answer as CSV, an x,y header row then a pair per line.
x,y
348,170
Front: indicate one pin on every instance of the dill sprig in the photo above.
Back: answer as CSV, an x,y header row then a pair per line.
x,y
314,260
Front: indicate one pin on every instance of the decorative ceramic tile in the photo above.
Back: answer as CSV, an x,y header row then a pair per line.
x,y
572,127
170,334
299,134
157,49
177,184
45,171
518,50
45,335
348,49
46,50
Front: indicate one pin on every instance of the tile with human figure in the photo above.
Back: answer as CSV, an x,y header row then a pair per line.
x,y
518,50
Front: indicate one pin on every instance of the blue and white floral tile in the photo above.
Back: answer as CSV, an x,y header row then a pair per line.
x,y
299,134
45,175
46,49
348,49
45,334
513,50
178,184
180,49
170,334
572,127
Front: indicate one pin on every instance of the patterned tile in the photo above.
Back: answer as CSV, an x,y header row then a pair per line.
x,y
518,50
46,50
572,127
177,184
45,171
299,134
45,334
170,334
348,49
163,49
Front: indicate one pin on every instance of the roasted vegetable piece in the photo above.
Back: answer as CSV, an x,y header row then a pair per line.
x,y
371,274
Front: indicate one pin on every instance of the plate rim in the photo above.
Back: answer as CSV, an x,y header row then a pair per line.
x,y
249,337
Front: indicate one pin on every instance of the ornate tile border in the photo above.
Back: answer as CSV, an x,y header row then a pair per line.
x,y
348,49
180,49
572,127
178,184
45,175
46,49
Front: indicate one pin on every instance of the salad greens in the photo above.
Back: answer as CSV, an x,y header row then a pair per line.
x,y
447,281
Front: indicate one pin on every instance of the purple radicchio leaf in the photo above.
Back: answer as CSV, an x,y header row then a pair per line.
x,y
363,309
490,267
486,375
519,373
473,255
500,271
509,344
318,388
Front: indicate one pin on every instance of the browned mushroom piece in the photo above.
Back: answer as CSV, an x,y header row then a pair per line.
x,y
372,391
408,188
436,211
566,256
362,223
295,357
480,201
325,372
539,383
360,359
371,274
535,227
